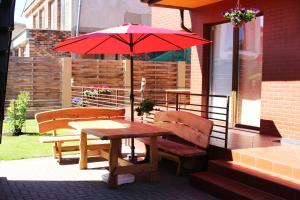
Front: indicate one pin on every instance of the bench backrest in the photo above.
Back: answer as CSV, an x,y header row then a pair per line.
x,y
188,126
59,119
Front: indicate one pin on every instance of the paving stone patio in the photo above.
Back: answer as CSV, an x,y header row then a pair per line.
x,y
43,178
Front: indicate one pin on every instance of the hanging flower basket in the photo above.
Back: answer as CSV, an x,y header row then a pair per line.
x,y
239,16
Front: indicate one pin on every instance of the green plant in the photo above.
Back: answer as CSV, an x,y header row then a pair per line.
x,y
16,113
146,106
91,93
104,91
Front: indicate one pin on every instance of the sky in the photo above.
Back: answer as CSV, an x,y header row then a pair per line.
x,y
18,10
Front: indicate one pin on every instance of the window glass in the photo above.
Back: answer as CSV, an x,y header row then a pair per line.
x,y
42,19
53,15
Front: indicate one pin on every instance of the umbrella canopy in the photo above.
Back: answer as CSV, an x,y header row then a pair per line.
x,y
130,39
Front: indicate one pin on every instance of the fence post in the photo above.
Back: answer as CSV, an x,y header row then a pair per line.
x,y
127,67
66,66
181,70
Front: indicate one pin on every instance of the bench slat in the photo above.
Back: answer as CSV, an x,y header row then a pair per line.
x,y
59,119
175,148
67,138
78,113
187,126
186,118
91,147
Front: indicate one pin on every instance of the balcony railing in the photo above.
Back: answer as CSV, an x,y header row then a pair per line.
x,y
213,107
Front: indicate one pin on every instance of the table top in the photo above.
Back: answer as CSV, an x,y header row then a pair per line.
x,y
117,129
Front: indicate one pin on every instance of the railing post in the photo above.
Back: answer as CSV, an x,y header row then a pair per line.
x,y
82,96
227,121
177,101
117,97
66,97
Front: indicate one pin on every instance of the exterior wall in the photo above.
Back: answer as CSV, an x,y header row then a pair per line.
x,y
280,96
94,16
104,14
41,42
169,18
34,10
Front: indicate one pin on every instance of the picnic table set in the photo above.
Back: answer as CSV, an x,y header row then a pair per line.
x,y
109,124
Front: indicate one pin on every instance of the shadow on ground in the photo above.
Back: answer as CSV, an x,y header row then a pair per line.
x,y
55,186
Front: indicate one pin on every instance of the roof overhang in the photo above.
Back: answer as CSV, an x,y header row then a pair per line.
x,y
184,4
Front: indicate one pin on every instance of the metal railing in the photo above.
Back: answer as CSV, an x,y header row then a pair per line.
x,y
213,107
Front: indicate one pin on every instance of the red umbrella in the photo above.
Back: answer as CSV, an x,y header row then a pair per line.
x,y
130,39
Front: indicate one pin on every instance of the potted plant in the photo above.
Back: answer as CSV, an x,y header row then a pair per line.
x,y
239,16
145,107
104,91
91,93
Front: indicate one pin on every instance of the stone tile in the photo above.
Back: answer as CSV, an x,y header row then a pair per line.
x,y
44,178
282,169
263,164
247,160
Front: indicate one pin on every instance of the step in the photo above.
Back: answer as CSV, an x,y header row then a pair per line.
x,y
283,160
263,180
227,188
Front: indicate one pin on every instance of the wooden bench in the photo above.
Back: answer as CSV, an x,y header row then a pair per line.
x,y
59,119
187,126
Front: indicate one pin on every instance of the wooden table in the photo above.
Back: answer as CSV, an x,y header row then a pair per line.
x,y
115,131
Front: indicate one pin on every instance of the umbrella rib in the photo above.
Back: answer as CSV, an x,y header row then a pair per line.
x,y
118,37
168,41
141,38
69,43
98,45
202,39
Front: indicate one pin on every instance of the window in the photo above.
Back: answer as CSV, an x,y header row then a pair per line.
x,y
65,13
35,21
53,16
42,19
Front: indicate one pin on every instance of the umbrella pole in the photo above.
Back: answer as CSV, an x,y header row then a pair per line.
x,y
132,158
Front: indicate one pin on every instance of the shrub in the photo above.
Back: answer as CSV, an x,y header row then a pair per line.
x,y
16,113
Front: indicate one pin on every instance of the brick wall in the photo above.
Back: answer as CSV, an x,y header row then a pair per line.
x,y
280,94
41,42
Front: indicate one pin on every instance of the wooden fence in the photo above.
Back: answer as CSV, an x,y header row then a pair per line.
x,y
49,80
91,72
39,76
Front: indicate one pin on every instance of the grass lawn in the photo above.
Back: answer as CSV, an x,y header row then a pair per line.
x,y
27,145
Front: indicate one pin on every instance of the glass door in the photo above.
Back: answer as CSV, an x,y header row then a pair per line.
x,y
221,66
250,73
236,68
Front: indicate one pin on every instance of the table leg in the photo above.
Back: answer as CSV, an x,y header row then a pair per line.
x,y
83,151
154,176
114,151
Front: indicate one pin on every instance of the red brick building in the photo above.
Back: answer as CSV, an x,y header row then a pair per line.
x,y
257,65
